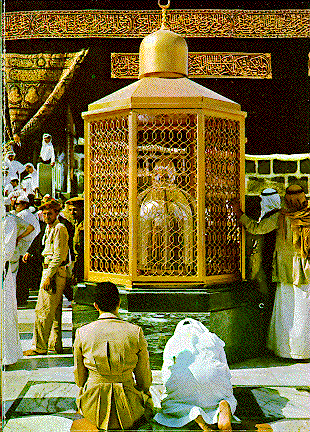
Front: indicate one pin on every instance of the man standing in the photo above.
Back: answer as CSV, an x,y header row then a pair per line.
x,y
26,232
289,331
47,153
47,327
22,281
30,183
76,209
15,168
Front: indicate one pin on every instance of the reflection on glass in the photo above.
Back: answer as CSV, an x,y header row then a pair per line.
x,y
166,224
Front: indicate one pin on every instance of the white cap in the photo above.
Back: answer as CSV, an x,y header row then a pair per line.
x,y
15,194
22,198
14,178
269,191
29,164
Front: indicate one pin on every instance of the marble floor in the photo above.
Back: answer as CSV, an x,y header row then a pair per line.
x,y
39,392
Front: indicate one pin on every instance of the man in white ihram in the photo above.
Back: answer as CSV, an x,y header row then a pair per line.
x,y
11,346
31,182
197,380
14,168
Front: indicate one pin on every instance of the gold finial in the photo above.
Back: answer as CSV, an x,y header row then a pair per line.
x,y
164,17
163,53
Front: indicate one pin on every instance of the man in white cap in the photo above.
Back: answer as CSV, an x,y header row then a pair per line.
x,y
15,168
12,197
22,211
47,154
12,186
26,232
289,331
30,183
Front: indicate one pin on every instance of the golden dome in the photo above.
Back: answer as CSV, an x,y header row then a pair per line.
x,y
163,54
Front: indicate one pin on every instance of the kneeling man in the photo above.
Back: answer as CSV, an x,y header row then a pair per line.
x,y
111,367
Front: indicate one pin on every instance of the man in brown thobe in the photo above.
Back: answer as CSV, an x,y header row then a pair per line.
x,y
47,326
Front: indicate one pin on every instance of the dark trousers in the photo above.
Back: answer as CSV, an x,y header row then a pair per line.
x,y
28,276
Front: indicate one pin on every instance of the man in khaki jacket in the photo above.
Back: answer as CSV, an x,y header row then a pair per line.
x,y
111,367
47,326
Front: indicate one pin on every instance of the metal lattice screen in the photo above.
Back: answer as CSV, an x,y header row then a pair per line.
x,y
222,156
167,188
109,174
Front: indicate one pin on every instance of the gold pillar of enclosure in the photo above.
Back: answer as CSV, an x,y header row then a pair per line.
x,y
163,157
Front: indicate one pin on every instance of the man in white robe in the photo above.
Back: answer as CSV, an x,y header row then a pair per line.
x,y
197,379
11,346
30,183
24,238
12,186
47,153
14,168
23,211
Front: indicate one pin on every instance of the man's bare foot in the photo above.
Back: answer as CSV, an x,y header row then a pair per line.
x,y
224,418
83,425
202,424
263,428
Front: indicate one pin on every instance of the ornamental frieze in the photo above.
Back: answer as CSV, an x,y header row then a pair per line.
x,y
203,65
137,24
35,83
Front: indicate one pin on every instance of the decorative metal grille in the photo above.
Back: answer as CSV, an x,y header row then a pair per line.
x,y
109,173
222,152
167,197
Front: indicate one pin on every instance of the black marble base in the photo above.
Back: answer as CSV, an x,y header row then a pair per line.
x,y
233,311
200,298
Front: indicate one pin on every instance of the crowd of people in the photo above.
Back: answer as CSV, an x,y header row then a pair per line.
x,y
111,360
37,252
43,248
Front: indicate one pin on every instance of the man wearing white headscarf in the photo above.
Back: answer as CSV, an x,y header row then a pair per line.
x,y
14,168
197,379
270,202
47,153
289,330
260,261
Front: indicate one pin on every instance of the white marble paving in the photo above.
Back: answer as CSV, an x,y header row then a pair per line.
x,y
26,339
48,398
47,386
291,426
26,318
292,375
47,423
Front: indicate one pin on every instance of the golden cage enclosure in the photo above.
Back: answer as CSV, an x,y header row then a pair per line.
x,y
163,158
